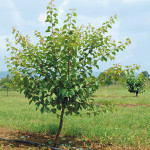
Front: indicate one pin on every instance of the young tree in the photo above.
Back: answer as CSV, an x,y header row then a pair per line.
x,y
56,73
135,84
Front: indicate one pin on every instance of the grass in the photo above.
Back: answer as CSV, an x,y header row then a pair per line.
x,y
128,126
121,95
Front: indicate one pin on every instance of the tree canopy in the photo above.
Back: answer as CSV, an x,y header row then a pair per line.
x,y
146,74
135,84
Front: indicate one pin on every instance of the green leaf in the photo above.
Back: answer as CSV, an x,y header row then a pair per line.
x,y
65,26
74,21
70,32
77,88
103,58
37,105
41,97
30,102
55,14
63,139
114,53
49,142
53,110
59,107
35,98
74,14
109,26
56,29
97,66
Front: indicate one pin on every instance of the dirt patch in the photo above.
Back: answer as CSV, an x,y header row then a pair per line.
x,y
67,143
132,105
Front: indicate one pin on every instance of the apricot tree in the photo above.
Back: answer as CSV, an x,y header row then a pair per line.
x,y
56,73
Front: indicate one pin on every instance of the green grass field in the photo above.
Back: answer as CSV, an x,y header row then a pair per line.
x,y
128,126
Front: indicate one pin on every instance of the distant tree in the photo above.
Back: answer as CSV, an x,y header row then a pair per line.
x,y
56,73
146,74
7,83
105,79
112,75
135,84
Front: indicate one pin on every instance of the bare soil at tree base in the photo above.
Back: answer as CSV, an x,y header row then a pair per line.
x,y
74,143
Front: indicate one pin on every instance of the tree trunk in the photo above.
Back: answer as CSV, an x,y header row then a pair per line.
x,y
60,125
137,94
7,91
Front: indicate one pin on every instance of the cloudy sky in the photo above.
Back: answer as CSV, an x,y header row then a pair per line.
x,y
133,22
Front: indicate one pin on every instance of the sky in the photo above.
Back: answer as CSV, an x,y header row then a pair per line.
x,y
133,22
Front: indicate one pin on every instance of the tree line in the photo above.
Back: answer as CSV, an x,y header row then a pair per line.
x,y
126,77
7,84
112,76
